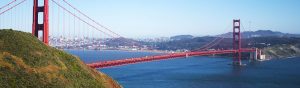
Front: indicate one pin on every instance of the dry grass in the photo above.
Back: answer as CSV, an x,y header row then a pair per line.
x,y
51,71
25,62
4,64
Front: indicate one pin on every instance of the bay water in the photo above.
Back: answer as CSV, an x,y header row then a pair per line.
x,y
196,72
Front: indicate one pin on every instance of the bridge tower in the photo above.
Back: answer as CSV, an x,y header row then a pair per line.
x,y
237,43
40,19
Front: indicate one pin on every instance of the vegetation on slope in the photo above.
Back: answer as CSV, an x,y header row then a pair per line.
x,y
27,62
282,51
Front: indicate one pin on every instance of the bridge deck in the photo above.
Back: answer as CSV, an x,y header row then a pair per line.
x,y
111,63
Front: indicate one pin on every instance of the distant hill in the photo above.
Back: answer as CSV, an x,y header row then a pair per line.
x,y
261,33
188,44
226,43
25,62
122,42
282,51
181,37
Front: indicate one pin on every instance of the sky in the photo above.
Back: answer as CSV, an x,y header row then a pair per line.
x,y
164,18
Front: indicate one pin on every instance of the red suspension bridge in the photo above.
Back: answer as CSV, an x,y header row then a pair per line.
x,y
42,24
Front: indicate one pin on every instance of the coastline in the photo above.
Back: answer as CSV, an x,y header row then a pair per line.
x,y
152,51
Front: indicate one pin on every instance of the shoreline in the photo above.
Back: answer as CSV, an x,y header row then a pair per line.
x,y
152,51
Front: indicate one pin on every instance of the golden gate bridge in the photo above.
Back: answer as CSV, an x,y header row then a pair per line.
x,y
42,24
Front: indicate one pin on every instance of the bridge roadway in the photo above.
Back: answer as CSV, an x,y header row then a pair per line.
x,y
111,63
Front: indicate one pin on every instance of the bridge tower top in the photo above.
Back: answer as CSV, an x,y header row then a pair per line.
x,y
237,43
44,25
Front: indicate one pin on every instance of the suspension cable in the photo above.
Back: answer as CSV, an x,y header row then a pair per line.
x,y
8,4
91,19
81,19
213,42
12,7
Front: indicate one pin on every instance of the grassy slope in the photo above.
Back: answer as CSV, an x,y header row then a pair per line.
x,y
27,62
282,51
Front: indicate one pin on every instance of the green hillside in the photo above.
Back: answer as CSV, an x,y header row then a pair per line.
x,y
27,62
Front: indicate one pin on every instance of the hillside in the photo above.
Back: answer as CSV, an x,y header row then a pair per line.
x,y
261,33
181,37
226,43
122,42
282,51
27,62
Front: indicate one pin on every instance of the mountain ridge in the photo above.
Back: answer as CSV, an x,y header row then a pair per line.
x,y
260,33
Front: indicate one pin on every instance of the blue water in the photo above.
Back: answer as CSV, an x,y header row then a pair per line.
x,y
197,72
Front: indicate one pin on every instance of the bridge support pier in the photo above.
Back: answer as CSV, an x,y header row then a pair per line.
x,y
186,55
251,56
256,54
260,55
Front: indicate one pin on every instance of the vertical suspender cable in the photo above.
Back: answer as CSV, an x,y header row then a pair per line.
x,y
58,22
83,34
0,21
74,27
97,23
10,19
69,26
63,25
94,27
